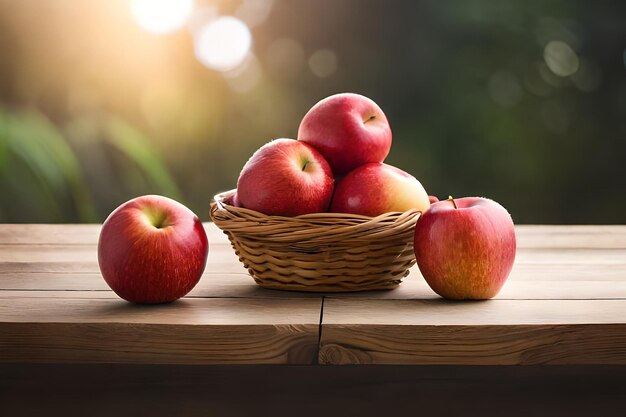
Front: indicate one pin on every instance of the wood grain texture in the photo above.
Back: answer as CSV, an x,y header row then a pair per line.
x,y
189,331
585,344
242,286
86,253
571,236
214,266
503,332
564,303
528,236
209,286
414,287
29,259
74,234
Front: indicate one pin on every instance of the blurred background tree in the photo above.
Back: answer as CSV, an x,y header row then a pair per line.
x,y
105,100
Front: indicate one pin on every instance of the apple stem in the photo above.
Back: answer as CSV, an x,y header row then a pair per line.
x,y
453,202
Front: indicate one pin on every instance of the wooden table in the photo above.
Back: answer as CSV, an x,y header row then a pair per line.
x,y
564,303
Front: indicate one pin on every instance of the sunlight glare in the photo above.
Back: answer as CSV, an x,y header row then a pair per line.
x,y
161,16
223,44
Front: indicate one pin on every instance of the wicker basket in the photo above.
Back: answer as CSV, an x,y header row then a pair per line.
x,y
321,252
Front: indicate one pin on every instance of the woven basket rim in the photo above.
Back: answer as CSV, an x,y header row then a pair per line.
x,y
219,198
319,252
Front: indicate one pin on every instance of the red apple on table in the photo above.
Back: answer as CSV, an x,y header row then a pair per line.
x,y
375,188
348,129
286,177
152,249
465,247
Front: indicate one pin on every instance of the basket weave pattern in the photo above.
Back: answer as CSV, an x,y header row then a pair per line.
x,y
321,252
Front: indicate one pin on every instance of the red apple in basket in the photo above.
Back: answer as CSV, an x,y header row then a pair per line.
x,y
152,249
286,177
348,129
232,200
373,189
465,247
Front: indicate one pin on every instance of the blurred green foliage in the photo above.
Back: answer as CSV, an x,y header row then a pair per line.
x,y
40,172
94,111
45,181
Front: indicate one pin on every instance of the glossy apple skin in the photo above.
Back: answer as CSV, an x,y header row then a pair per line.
x,y
465,252
286,177
373,189
236,201
232,200
348,129
147,264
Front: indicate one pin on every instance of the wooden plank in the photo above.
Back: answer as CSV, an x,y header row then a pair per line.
x,y
496,332
70,234
567,272
442,312
80,294
82,259
210,285
415,288
198,311
19,234
571,236
76,257
80,267
189,331
83,253
528,236
222,251
73,280
30,259
95,282
108,294
571,256
243,286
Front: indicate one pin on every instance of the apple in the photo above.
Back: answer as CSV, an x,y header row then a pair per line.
x,y
432,199
286,177
465,247
232,200
152,250
235,201
375,188
348,129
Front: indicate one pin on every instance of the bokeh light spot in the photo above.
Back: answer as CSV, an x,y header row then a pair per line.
x,y
161,16
560,58
223,44
323,63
